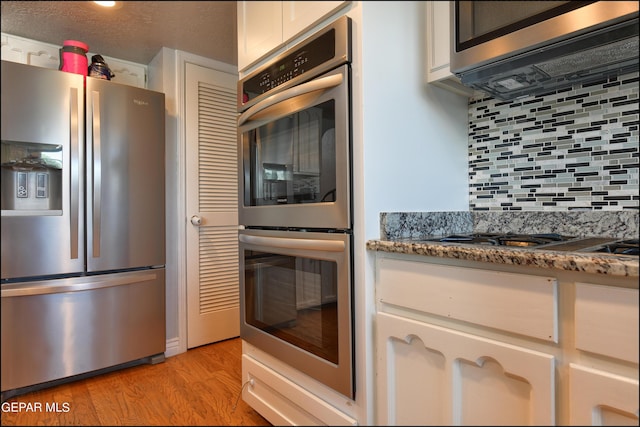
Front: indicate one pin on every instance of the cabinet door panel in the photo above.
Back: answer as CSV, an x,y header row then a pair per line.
x,y
607,321
437,41
430,375
259,30
299,15
600,398
422,401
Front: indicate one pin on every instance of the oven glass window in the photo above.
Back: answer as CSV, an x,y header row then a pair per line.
x,y
294,299
293,160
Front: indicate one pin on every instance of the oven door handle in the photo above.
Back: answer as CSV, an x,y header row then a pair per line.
x,y
323,83
287,243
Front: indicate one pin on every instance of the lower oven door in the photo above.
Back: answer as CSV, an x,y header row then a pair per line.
x,y
295,293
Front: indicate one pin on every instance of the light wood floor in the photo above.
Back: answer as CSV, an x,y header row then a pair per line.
x,y
199,387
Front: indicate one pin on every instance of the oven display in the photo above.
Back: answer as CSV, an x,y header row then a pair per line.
x,y
315,53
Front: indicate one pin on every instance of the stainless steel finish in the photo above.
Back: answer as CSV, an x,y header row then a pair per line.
x,y
54,286
294,142
76,170
298,243
94,324
127,191
322,84
82,291
576,22
334,247
96,192
592,41
322,215
43,106
34,188
196,220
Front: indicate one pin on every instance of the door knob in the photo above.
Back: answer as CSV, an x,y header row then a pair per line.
x,y
196,220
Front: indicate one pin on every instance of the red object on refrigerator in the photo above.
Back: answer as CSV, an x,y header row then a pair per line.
x,y
73,57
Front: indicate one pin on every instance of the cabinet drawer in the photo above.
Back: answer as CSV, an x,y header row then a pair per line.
x,y
518,303
606,321
283,402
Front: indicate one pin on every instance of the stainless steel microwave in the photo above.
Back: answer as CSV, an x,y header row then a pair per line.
x,y
518,48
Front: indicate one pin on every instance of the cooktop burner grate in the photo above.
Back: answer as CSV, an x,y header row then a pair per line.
x,y
623,247
505,239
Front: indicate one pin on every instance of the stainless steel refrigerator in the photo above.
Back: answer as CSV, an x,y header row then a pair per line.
x,y
83,226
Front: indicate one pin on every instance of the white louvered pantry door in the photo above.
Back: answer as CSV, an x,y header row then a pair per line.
x,y
213,312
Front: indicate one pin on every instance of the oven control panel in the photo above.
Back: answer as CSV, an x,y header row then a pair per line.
x,y
282,73
327,49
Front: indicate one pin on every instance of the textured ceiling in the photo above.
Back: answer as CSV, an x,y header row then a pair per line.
x,y
135,31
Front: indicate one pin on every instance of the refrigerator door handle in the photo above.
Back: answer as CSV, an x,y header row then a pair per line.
x,y
76,284
74,171
97,173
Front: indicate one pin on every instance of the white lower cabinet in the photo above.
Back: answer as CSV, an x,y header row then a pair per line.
x,y
606,324
430,375
600,398
460,344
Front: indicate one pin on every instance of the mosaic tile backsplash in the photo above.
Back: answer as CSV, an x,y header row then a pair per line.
x,y
575,149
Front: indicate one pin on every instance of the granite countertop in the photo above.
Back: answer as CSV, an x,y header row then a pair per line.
x,y
613,265
406,232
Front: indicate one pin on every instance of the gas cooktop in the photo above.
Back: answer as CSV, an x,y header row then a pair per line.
x,y
551,241
505,239
621,247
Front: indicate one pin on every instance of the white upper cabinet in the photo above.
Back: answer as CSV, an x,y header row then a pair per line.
x,y
259,29
264,26
438,40
298,15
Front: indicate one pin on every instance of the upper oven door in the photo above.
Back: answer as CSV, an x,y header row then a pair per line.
x,y
294,156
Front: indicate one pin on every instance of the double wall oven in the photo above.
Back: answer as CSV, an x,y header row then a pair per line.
x,y
296,255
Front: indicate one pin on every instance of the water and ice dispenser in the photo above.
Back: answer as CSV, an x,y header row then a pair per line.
x,y
31,178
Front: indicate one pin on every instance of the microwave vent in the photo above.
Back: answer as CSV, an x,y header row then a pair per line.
x,y
597,57
593,42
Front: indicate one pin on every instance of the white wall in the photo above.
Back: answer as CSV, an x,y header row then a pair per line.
x,y
409,150
415,135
